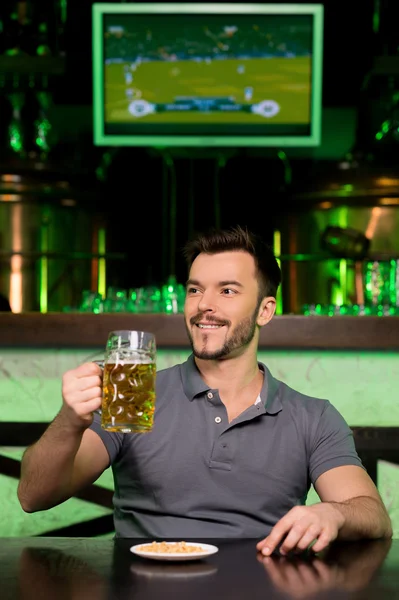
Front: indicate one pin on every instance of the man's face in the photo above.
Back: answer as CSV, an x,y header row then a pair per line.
x,y
222,304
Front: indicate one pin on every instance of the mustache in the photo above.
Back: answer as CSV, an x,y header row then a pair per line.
x,y
211,320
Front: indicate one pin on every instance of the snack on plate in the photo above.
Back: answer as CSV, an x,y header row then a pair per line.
x,y
170,547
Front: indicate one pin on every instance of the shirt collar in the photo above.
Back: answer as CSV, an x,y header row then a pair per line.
x,y
194,385
270,392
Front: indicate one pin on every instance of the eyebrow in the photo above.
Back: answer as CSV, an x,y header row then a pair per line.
x,y
221,283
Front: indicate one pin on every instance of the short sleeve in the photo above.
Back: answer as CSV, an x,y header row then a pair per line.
x,y
111,440
332,445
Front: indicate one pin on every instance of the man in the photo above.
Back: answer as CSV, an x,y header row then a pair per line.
x,y
233,451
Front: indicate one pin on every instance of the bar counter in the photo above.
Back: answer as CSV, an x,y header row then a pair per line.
x,y
82,330
98,569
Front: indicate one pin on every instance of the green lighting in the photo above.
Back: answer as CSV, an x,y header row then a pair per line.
x,y
43,50
42,128
63,7
102,280
43,263
376,16
343,278
287,167
277,252
348,187
341,292
385,126
393,275
379,136
15,131
15,136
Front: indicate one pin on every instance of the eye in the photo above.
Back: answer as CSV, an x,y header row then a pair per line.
x,y
228,292
192,290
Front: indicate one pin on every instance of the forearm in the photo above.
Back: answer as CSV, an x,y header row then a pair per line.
x,y
364,517
47,466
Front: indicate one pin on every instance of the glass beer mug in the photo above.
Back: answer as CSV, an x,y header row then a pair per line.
x,y
128,402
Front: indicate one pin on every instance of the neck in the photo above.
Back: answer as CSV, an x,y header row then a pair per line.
x,y
231,374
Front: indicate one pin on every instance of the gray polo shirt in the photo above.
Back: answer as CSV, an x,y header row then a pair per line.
x,y
197,475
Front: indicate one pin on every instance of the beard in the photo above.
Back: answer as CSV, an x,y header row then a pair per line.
x,y
241,336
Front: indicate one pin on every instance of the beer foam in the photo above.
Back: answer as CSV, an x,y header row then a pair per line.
x,y
129,358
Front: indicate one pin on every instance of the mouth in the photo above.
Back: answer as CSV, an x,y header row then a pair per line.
x,y
208,326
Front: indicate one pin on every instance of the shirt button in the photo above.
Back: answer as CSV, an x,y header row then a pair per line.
x,y
218,420
210,395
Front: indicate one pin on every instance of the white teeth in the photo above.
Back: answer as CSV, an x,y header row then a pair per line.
x,y
209,326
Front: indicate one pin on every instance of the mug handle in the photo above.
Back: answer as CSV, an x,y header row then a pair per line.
x,y
100,363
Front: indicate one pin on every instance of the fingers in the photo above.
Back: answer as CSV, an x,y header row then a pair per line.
x,y
300,529
88,407
323,541
82,392
86,370
270,543
300,537
86,383
90,394
83,378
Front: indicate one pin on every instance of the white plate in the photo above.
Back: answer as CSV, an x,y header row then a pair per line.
x,y
207,550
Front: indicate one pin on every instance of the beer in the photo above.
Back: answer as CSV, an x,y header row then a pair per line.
x,y
128,402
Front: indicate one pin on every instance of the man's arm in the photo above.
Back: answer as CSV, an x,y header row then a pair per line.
x,y
353,493
62,462
350,509
68,456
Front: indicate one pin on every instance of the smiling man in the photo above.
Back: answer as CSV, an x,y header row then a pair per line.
x,y
233,450
220,336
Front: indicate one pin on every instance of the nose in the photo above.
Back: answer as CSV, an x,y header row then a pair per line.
x,y
207,303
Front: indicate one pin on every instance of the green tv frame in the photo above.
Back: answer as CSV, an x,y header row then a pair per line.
x,y
189,140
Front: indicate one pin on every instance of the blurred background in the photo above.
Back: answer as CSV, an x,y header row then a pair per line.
x,y
99,228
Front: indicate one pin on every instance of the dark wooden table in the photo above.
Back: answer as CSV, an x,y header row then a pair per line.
x,y
90,569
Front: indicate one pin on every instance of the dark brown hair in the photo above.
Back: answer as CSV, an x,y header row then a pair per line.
x,y
237,238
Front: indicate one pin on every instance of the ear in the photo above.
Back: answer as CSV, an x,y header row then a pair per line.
x,y
266,311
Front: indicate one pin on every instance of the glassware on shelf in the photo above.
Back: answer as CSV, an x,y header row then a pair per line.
x,y
91,302
378,288
168,299
350,310
145,300
116,300
173,296
132,301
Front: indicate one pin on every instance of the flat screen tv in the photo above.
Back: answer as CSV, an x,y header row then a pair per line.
x,y
207,74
